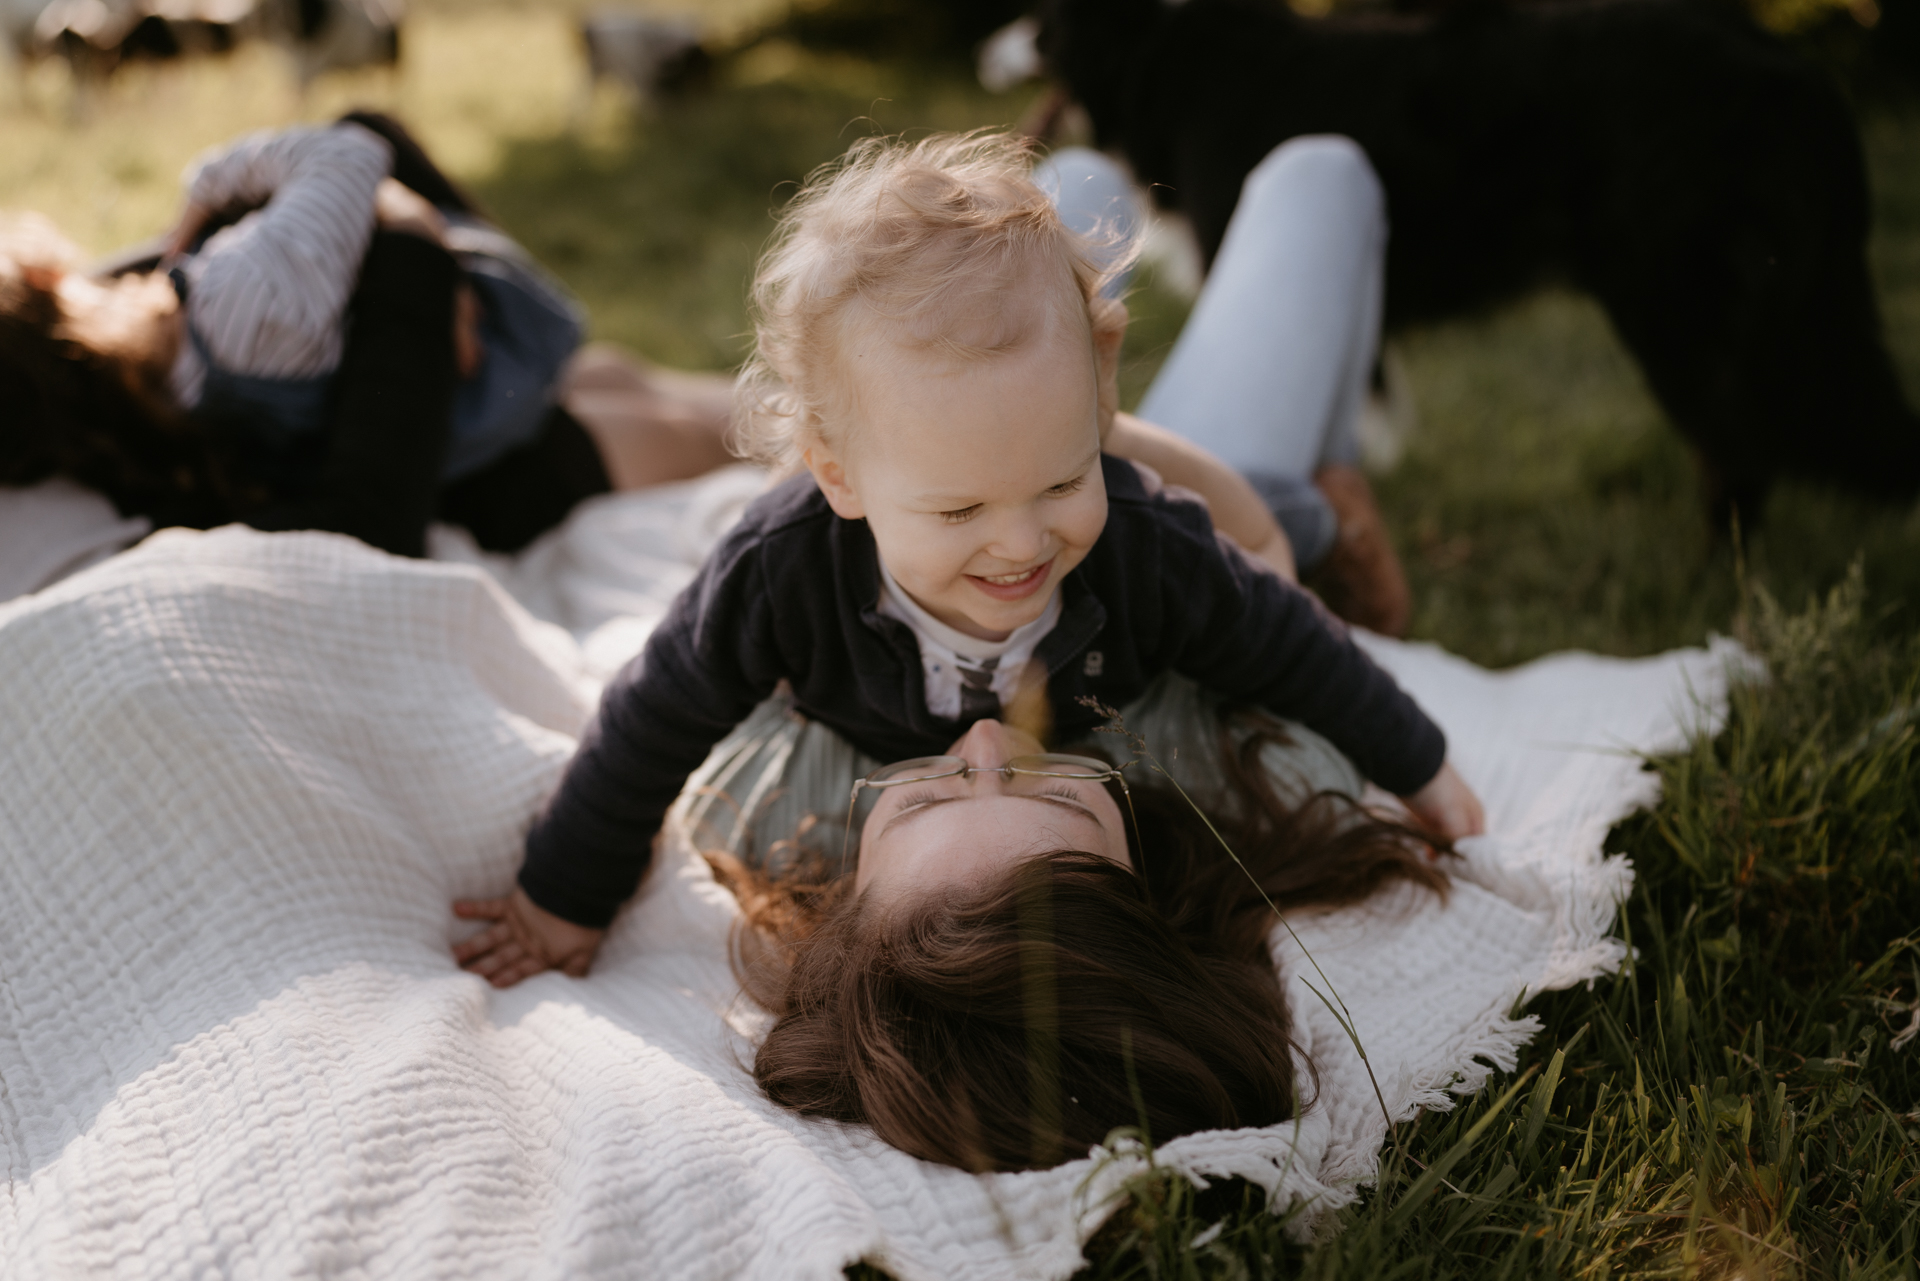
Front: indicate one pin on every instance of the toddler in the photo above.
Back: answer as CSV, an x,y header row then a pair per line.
x,y
934,350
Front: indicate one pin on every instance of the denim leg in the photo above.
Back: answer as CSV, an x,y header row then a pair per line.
x,y
1303,512
1095,198
1271,370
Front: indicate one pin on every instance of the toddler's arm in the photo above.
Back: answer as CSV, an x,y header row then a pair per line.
x,y
1237,510
1271,642
268,294
709,662
1254,638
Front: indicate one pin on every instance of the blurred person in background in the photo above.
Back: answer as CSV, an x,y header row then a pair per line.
x,y
334,338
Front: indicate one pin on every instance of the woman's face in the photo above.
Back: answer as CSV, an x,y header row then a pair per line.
x,y
957,832
134,317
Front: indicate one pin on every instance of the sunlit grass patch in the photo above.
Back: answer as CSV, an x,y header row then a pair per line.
x,y
657,220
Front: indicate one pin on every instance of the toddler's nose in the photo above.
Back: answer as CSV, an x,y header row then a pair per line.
x,y
1019,542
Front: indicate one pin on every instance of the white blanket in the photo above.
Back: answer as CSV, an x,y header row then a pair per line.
x,y
241,777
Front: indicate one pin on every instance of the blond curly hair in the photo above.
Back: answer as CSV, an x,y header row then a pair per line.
x,y
927,237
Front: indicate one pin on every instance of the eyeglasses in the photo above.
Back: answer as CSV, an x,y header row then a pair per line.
x,y
926,769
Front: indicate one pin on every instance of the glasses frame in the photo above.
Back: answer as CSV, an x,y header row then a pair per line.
x,y
960,767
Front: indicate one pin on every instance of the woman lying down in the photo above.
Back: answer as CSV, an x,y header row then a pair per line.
x,y
1025,937
961,551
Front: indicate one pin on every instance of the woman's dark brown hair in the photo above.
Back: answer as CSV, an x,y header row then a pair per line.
x,y
100,419
1016,1025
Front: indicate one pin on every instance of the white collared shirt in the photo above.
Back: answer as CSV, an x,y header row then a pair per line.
x,y
956,663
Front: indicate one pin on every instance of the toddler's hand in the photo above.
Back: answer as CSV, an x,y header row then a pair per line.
x,y
1447,807
524,940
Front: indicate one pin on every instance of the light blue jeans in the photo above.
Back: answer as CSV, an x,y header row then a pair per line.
x,y
1271,370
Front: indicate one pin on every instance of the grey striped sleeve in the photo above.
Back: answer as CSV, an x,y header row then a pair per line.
x,y
267,295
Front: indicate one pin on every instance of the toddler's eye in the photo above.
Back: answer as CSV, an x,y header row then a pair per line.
x,y
1069,486
959,514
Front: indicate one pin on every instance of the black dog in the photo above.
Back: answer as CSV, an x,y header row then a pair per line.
x,y
1691,172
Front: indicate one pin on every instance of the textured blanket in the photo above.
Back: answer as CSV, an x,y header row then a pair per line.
x,y
241,777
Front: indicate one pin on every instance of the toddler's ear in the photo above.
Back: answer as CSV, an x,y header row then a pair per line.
x,y
832,479
1108,320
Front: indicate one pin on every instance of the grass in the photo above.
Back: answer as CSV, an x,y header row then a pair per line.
x,y
1732,1105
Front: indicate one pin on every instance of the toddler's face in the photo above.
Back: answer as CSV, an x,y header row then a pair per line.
x,y
980,478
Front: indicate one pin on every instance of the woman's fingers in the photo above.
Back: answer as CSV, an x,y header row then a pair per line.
x,y
180,238
486,909
469,350
400,208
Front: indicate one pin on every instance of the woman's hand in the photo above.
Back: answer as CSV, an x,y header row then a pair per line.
x,y
397,207
1447,807
187,228
523,940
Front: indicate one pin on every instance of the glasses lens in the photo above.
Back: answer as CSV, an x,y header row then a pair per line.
x,y
920,767
1060,766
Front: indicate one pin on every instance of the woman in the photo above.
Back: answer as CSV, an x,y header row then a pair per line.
x,y
1015,964
111,388
995,967
983,979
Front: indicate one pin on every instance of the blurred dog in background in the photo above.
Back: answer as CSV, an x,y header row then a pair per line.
x,y
654,58
337,35
1699,178
97,36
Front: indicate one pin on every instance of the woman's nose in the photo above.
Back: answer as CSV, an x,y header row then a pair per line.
x,y
985,745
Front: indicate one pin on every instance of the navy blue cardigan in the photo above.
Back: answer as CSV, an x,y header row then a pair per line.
x,y
790,594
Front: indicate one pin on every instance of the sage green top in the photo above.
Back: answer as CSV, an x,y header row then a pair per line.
x,y
780,776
